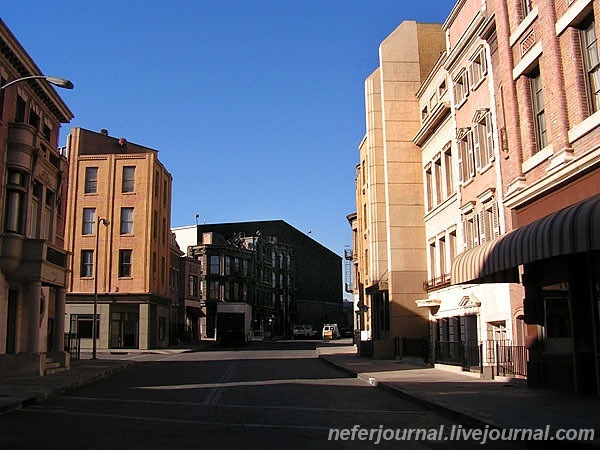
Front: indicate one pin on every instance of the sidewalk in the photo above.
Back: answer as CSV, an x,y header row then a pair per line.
x,y
470,400
16,392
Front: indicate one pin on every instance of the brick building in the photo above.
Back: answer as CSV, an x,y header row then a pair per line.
x,y
118,215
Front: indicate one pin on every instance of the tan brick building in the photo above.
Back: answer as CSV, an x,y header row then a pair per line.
x,y
125,184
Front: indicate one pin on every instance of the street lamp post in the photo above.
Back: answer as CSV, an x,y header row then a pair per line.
x,y
60,82
106,223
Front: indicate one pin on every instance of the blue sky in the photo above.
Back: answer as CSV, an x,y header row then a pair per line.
x,y
256,106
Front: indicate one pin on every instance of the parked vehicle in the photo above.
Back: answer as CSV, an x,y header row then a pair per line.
x,y
331,331
303,331
233,323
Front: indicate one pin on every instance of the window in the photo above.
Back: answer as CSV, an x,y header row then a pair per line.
x,y
461,87
452,245
424,113
81,325
483,139
488,222
164,230
155,225
91,180
429,187
213,290
478,68
442,88
89,219
47,219
156,179
20,110
163,270
165,193
448,171
535,82
526,7
128,182
87,263
126,220
442,254
193,286
227,265
215,265
162,328
153,265
591,64
432,271
34,228
437,178
124,263
34,118
15,190
466,161
470,231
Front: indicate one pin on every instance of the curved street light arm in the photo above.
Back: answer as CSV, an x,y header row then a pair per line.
x,y
60,82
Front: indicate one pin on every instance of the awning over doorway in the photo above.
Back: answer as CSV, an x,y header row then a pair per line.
x,y
573,229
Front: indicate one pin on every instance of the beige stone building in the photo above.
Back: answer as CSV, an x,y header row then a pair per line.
x,y
389,190
118,215
33,261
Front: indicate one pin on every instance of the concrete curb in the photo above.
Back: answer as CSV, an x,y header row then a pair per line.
x,y
420,401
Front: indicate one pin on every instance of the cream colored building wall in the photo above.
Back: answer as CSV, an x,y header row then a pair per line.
x,y
376,219
402,65
186,236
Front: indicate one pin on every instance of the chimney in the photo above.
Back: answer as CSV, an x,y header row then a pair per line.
x,y
104,132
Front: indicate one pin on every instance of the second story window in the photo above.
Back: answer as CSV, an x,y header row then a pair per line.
x,y
89,219
91,180
124,263
15,197
126,220
128,179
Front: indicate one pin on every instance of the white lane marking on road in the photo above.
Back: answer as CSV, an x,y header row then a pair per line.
x,y
217,390
229,405
178,421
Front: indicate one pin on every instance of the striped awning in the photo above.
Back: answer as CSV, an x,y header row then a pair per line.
x,y
574,229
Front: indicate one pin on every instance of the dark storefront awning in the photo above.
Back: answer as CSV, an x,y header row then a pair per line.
x,y
573,229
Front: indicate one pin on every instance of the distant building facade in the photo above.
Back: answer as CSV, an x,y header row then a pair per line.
x,y
33,180
287,276
126,185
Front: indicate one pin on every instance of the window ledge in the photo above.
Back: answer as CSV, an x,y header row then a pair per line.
x,y
576,9
523,26
584,127
537,159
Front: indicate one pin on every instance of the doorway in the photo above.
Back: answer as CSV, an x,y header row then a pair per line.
x,y
124,330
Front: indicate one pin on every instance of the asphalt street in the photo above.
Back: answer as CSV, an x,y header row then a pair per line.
x,y
266,395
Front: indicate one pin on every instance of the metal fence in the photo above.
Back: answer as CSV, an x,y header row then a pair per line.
x,y
511,360
467,354
73,345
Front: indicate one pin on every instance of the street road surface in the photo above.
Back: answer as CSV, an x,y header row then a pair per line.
x,y
264,396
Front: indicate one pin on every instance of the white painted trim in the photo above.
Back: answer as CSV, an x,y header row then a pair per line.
x,y
571,15
584,127
537,159
528,61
